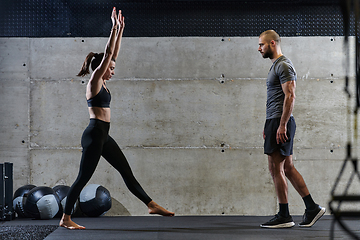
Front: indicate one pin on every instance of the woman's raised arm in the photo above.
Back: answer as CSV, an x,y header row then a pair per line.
x,y
109,51
121,20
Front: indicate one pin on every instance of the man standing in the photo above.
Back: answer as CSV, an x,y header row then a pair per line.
x,y
279,134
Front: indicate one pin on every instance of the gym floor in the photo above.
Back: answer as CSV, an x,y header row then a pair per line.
x,y
183,227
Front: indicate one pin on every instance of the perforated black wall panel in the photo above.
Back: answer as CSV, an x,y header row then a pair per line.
x,y
91,18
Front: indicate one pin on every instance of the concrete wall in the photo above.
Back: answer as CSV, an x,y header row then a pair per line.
x,y
187,112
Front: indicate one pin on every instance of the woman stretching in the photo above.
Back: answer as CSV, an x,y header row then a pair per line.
x,y
95,140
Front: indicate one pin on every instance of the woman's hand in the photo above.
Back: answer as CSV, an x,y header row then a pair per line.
x,y
114,18
121,20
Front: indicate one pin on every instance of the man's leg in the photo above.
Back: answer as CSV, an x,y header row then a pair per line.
x,y
313,211
277,171
295,177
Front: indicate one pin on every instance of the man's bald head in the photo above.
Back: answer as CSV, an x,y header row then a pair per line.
x,y
270,35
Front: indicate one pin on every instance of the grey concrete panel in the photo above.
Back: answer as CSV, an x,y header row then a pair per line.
x,y
187,113
14,126
58,113
159,113
196,113
117,209
188,181
193,181
54,167
14,58
61,58
319,57
318,154
177,103
321,113
192,57
198,57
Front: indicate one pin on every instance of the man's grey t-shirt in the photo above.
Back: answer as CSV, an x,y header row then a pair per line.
x,y
280,72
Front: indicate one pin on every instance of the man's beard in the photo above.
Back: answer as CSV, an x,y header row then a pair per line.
x,y
268,54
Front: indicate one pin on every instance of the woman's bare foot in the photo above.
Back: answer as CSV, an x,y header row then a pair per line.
x,y
66,222
154,208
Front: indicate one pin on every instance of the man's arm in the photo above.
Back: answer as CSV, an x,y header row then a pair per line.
x,y
289,101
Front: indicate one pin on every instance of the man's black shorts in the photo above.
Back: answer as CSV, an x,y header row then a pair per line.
x,y
270,129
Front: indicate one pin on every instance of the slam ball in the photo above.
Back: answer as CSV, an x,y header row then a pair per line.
x,y
42,203
20,198
62,192
94,200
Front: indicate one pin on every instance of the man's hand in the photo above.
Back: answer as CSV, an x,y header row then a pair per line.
x,y
281,136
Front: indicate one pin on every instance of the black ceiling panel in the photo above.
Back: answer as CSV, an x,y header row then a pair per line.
x,y
173,18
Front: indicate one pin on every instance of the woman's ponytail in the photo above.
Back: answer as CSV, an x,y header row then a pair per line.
x,y
85,67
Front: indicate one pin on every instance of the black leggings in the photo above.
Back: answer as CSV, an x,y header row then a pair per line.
x,y
97,142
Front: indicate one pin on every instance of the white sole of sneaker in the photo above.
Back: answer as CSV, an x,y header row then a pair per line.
x,y
283,225
317,217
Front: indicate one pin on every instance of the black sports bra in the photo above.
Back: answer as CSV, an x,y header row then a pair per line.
x,y
102,99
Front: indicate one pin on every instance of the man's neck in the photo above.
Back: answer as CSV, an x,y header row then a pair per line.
x,y
276,53
275,57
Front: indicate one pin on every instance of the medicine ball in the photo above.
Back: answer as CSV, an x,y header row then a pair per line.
x,y
62,192
20,198
94,200
42,203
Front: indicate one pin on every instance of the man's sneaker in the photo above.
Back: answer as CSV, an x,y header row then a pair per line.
x,y
279,222
310,217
